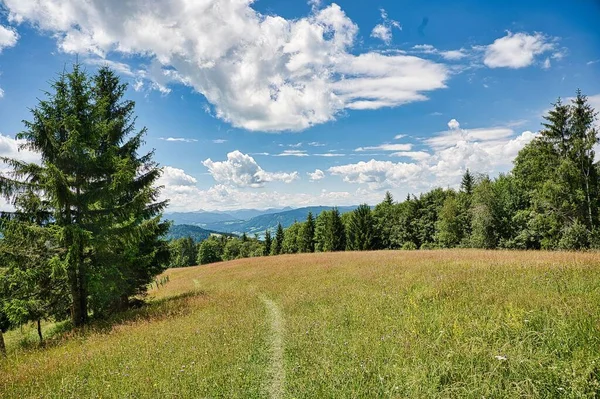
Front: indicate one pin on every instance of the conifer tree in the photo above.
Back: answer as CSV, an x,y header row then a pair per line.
x,y
307,235
268,243
277,245
360,230
99,191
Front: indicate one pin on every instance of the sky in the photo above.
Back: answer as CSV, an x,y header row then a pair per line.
x,y
274,103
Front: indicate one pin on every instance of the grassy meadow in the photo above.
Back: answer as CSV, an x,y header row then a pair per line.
x,y
424,324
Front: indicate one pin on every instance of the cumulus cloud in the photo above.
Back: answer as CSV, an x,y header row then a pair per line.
x,y
241,170
176,177
383,31
516,50
486,150
263,73
318,174
8,37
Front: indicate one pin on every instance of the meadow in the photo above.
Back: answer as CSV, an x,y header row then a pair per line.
x,y
422,324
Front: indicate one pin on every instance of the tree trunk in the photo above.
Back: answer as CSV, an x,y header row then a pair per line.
x,y
2,346
39,329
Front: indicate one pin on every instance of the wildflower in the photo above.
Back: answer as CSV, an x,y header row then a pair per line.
x,y
500,357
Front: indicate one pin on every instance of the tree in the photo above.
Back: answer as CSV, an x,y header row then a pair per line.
x,y
290,244
210,251
277,245
306,240
330,234
484,221
385,218
467,183
449,225
99,191
268,243
360,230
183,252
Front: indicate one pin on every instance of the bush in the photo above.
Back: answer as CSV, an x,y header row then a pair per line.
x,y
409,246
575,237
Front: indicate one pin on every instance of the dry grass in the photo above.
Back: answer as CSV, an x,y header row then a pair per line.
x,y
459,323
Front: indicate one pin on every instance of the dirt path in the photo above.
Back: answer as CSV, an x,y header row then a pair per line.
x,y
277,372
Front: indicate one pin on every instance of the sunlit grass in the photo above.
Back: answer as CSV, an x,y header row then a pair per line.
x,y
458,323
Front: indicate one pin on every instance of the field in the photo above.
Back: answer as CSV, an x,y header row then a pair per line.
x,y
424,324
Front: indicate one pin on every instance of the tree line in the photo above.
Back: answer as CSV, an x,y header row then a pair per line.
x,y
549,200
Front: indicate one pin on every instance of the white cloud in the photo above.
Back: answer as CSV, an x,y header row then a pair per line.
x,y
178,139
546,64
454,55
1,92
330,155
119,67
453,124
241,170
383,31
416,155
219,141
485,150
292,153
263,73
450,55
378,174
316,144
8,37
386,147
516,50
399,136
176,177
318,174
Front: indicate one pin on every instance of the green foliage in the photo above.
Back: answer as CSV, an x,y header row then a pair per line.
x,y
330,234
306,235
268,243
97,192
277,245
575,237
449,226
183,252
409,246
360,229
291,239
211,250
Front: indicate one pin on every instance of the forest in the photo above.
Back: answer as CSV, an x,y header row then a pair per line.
x,y
87,238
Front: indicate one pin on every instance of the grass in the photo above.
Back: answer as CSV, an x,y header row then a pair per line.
x,y
457,323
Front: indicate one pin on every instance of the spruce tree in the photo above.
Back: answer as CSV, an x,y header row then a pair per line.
x,y
268,243
277,246
360,230
99,191
307,234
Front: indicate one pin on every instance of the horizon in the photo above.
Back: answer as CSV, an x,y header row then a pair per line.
x,y
314,103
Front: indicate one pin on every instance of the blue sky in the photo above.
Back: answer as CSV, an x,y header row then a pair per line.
x,y
292,103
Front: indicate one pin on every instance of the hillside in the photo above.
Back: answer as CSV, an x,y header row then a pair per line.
x,y
452,323
270,221
197,233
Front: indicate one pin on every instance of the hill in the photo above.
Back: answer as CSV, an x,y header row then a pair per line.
x,y
203,218
197,233
261,223
428,324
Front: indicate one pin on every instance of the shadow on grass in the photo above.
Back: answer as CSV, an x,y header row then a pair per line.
x,y
155,310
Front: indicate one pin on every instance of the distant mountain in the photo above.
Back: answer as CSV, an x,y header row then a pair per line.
x,y
197,233
263,222
200,218
204,218
247,214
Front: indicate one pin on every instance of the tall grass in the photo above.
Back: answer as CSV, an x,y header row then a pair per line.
x,y
459,323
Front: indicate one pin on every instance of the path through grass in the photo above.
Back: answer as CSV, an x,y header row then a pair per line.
x,y
276,338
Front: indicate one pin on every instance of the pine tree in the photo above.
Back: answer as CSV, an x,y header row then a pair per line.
x,y
330,234
467,183
99,191
307,234
277,245
268,243
360,230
